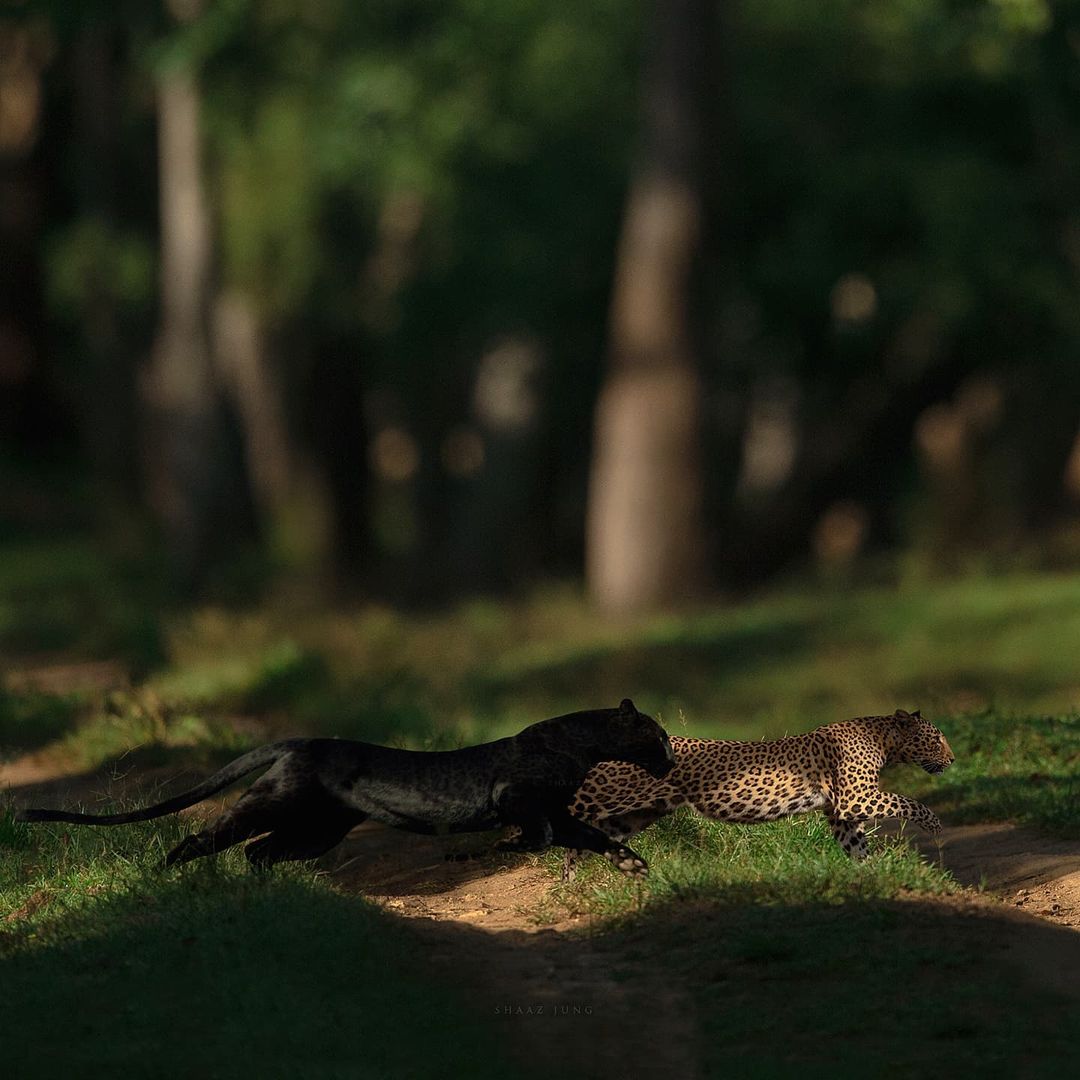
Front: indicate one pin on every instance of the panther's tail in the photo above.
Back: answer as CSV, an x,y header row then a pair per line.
x,y
255,759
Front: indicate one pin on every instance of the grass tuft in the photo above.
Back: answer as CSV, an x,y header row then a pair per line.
x,y
790,862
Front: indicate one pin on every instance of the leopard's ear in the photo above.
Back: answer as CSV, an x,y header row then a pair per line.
x,y
917,714
903,716
626,707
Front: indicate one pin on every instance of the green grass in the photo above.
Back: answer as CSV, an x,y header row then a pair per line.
x,y
780,664
65,595
31,719
1018,768
115,967
789,862
870,988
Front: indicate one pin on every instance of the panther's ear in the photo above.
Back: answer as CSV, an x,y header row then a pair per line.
x,y
626,707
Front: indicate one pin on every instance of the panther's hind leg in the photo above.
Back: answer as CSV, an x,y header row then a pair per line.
x,y
257,811
300,841
227,830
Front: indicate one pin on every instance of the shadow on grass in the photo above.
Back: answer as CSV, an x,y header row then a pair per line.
x,y
68,595
233,978
825,990
685,668
397,708
1050,800
211,972
32,719
136,778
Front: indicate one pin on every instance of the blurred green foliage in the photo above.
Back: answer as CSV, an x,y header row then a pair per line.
x,y
400,186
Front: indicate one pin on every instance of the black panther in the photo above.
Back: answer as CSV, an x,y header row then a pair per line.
x,y
316,790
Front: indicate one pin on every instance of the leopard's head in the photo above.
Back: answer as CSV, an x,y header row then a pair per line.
x,y
640,740
915,741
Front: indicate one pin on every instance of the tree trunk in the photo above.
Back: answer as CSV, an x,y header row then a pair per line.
x,y
28,417
291,497
645,531
106,387
196,486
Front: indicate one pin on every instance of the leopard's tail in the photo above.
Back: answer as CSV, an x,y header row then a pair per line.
x,y
255,759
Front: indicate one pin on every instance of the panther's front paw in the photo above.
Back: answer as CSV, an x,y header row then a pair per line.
x,y
627,862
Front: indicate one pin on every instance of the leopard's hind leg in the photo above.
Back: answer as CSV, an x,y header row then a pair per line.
x,y
849,835
570,860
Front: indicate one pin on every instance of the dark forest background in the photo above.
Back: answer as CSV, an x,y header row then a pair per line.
x,y
417,298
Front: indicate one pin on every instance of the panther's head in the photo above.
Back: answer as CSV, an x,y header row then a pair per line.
x,y
916,741
640,740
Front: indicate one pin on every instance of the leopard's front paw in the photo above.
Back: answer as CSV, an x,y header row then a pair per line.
x,y
629,863
933,825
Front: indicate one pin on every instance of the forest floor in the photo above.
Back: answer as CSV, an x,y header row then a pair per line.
x,y
757,950
565,995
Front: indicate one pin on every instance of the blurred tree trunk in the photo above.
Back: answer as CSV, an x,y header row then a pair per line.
x,y
310,500
339,447
1053,441
107,393
197,486
27,413
645,532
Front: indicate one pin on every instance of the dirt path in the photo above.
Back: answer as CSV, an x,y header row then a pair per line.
x,y
1037,873
477,919
557,989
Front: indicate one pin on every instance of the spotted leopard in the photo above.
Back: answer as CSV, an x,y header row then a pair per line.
x,y
833,768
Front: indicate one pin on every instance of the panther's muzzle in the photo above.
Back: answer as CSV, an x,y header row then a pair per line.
x,y
658,769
